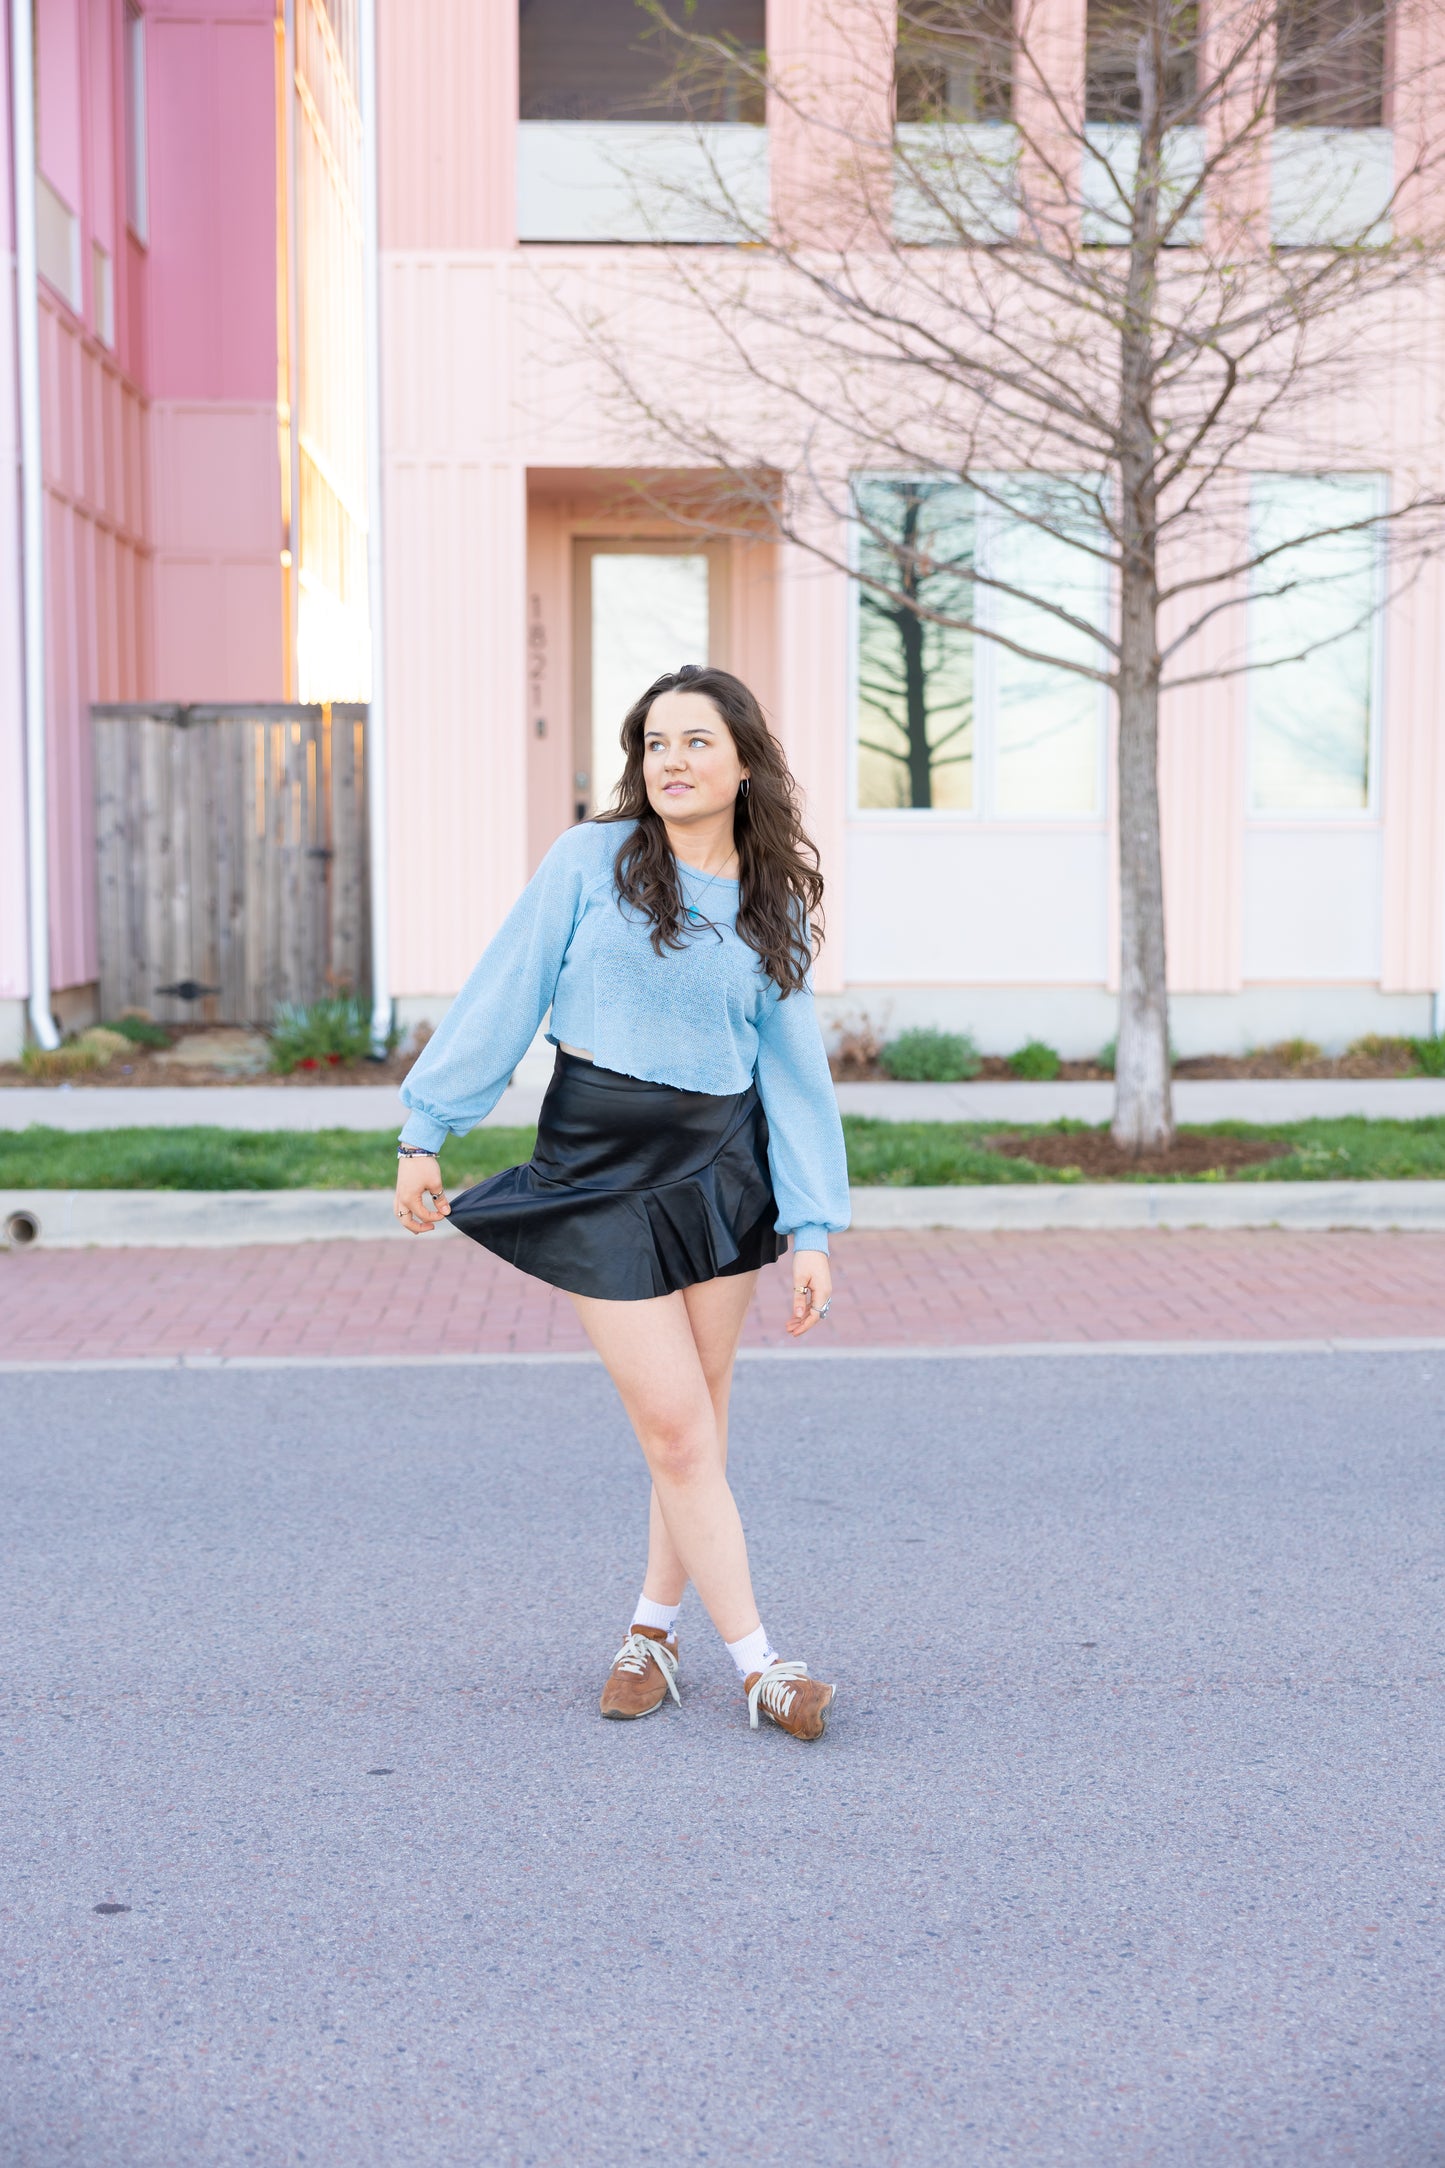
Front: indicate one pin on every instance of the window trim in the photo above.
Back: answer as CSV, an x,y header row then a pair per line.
x,y
136,136
1371,813
983,812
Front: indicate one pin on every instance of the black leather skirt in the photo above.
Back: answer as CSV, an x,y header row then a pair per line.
x,y
633,1190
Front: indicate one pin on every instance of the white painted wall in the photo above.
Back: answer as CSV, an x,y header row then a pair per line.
x,y
1312,903
940,901
640,181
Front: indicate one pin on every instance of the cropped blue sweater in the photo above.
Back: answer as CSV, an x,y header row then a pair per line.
x,y
705,1018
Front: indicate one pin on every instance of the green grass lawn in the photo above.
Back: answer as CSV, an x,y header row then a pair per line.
x,y
903,1155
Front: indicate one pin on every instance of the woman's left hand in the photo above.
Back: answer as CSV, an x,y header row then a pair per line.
x,y
812,1289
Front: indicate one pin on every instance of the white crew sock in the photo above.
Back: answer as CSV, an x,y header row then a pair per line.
x,y
753,1653
662,1615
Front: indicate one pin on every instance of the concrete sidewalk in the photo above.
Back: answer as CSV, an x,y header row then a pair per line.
x,y
372,1107
221,1219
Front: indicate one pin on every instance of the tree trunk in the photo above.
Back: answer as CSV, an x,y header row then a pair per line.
x,y
915,709
1143,1095
1143,1099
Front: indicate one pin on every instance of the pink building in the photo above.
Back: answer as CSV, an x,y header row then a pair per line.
x,y
202,220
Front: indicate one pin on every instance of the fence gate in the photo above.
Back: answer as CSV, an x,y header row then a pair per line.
x,y
231,859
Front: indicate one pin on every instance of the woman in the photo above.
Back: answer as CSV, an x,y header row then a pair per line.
x,y
689,1126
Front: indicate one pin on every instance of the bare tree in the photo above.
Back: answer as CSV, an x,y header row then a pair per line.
x,y
1091,292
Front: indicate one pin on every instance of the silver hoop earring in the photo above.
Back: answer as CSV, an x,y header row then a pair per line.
x,y
745,786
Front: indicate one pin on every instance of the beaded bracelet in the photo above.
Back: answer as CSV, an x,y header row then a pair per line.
x,y
414,1151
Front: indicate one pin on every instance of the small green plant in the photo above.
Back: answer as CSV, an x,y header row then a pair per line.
x,y
1107,1056
93,1049
930,1057
140,1031
1036,1063
1429,1055
319,1034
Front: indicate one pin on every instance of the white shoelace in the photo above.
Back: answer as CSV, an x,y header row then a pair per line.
x,y
776,1689
637,1652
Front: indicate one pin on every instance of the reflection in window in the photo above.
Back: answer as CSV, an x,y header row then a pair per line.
x,y
601,60
952,720
1311,615
649,614
1046,736
1117,38
1331,64
915,677
954,60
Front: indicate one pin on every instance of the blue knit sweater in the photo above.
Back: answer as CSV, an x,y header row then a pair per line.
x,y
705,1018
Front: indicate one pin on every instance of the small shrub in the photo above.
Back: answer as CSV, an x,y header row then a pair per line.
x,y
1107,1056
93,1049
1429,1055
1294,1053
1036,1063
320,1034
930,1057
140,1031
860,1043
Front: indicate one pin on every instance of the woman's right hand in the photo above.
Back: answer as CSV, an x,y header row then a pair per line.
x,y
420,1199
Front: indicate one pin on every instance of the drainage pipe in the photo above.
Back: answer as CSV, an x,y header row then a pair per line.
x,y
32,518
376,806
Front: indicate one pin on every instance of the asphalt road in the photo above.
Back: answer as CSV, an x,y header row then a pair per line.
x,y
1125,1846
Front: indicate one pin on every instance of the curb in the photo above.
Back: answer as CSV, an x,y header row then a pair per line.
x,y
56,1219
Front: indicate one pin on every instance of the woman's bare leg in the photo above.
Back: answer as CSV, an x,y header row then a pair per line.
x,y
716,1310
652,1355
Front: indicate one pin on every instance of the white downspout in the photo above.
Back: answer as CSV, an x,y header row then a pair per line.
x,y
32,520
376,807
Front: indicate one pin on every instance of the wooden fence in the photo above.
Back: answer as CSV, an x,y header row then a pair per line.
x,y
231,859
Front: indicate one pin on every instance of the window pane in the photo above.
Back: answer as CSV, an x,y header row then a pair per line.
x,y
649,614
610,60
954,61
915,677
1310,717
1118,32
1331,65
1048,719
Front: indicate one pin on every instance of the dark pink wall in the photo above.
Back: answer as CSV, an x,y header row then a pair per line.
x,y
212,269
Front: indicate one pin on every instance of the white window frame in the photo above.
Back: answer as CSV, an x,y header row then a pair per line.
x,y
137,145
983,812
1371,812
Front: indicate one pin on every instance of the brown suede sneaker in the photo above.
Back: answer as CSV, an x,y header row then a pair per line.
x,y
797,1704
643,1674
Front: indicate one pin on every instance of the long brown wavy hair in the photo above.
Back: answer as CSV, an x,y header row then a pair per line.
x,y
780,889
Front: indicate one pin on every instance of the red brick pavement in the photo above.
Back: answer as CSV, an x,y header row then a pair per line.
x,y
440,1296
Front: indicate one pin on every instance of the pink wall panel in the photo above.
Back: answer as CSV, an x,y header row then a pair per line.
x,y
811,720
97,601
60,97
217,486
212,272
448,81
14,968
456,699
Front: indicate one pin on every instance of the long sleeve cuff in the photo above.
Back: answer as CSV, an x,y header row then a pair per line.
x,y
811,1238
425,1130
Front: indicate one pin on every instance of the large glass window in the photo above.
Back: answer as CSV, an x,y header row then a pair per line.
x,y
1331,64
952,720
600,60
1312,634
915,676
954,62
1118,32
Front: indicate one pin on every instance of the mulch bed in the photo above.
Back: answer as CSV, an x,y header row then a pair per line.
x,y
143,1070
995,1070
1093,1153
